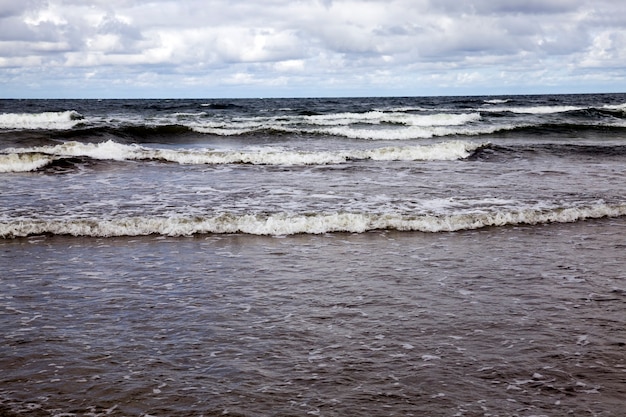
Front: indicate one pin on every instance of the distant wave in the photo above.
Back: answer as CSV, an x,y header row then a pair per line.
x,y
46,120
30,159
387,131
493,152
221,106
172,133
363,132
368,125
497,101
288,224
400,118
587,115
395,123
405,109
617,107
534,109
411,132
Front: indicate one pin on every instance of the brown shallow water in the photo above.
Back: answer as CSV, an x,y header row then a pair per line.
x,y
513,321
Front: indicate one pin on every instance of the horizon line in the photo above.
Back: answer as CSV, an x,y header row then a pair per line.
x,y
314,97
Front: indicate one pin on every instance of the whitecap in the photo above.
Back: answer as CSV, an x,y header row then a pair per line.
x,y
110,150
618,107
23,162
497,101
46,120
343,124
379,117
281,224
535,109
445,151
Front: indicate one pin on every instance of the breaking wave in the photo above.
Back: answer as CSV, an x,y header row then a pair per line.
x,y
289,224
24,162
535,109
30,159
497,101
368,125
373,125
46,120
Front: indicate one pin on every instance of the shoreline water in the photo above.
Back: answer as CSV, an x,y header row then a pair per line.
x,y
518,312
504,321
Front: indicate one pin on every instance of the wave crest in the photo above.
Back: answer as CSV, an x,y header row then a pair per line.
x,y
281,224
24,162
373,125
29,159
47,120
535,109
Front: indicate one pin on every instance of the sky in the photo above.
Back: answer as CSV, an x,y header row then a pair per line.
x,y
309,48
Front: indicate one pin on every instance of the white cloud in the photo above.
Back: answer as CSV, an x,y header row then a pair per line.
x,y
296,45
292,65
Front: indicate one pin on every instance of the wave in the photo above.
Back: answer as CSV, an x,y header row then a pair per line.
x,y
616,106
31,159
385,131
72,154
618,110
24,162
534,109
399,118
497,101
393,123
405,109
588,115
282,224
221,106
393,133
372,125
502,153
411,132
368,125
47,120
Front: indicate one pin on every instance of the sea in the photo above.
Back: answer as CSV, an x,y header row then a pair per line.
x,y
387,256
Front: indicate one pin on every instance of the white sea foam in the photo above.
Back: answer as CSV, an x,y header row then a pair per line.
x,y
45,120
405,109
269,156
23,162
404,125
27,159
378,117
108,150
411,132
535,109
188,114
30,159
439,119
497,101
104,150
619,107
288,224
452,150
235,129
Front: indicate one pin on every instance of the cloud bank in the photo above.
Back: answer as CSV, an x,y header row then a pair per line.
x,y
251,48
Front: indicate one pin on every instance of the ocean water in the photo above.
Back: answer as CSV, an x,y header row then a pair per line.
x,y
444,256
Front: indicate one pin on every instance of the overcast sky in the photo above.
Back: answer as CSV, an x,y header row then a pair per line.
x,y
295,48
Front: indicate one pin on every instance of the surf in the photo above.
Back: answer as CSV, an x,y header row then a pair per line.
x,y
34,158
46,120
282,224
